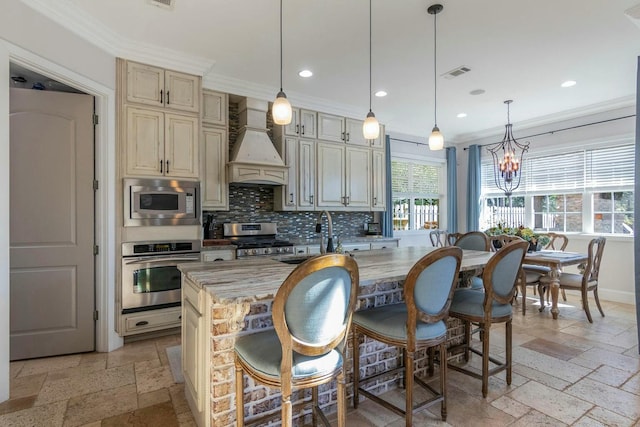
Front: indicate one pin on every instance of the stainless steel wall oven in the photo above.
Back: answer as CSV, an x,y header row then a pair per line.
x,y
150,277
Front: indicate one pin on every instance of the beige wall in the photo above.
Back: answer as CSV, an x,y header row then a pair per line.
x,y
4,224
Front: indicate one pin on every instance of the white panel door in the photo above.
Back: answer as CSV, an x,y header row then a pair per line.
x,y
52,224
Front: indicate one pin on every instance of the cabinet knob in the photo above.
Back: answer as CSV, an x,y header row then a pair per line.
x,y
142,323
303,129
343,136
167,161
161,100
167,97
348,136
291,198
298,129
160,166
311,199
375,201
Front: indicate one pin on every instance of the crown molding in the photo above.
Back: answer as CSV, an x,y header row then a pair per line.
x,y
601,107
64,13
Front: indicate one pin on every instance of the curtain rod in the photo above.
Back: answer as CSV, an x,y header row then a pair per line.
x,y
551,132
406,140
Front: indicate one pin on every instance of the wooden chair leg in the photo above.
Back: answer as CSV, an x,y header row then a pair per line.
x,y
585,305
467,339
564,295
524,299
316,406
431,354
239,397
287,411
356,368
485,358
595,295
541,291
443,380
509,344
408,383
342,400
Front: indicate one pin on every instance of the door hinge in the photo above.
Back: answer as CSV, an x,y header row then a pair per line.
x,y
95,185
96,249
95,315
96,120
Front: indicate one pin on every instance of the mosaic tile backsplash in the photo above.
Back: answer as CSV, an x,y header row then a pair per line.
x,y
254,203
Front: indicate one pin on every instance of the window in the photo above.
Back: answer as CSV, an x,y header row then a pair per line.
x,y
586,190
416,194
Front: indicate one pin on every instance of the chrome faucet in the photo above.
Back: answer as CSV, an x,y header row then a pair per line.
x,y
330,236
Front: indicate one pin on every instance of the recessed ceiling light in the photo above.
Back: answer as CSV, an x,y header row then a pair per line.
x,y
305,73
461,115
568,83
477,92
380,93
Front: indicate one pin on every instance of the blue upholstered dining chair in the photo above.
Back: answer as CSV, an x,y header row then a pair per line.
x,y
418,322
499,277
475,241
311,313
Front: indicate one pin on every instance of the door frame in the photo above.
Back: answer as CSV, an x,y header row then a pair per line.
x,y
105,197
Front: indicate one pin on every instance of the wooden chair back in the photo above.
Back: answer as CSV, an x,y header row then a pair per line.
x,y
438,238
474,240
557,242
501,240
592,268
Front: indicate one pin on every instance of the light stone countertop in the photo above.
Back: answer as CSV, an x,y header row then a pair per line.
x,y
258,278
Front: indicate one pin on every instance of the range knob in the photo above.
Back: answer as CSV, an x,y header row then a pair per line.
x,y
278,250
246,251
267,250
253,251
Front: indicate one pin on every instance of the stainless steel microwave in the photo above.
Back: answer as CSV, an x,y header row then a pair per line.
x,y
161,202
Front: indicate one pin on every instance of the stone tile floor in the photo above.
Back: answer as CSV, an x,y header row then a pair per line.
x,y
566,372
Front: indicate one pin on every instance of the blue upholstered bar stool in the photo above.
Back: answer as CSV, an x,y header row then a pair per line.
x,y
311,313
475,241
500,277
418,322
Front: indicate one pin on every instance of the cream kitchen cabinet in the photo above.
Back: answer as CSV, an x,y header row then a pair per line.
x,y
378,143
299,191
214,108
161,144
195,353
214,185
378,181
343,177
340,129
303,124
158,87
214,255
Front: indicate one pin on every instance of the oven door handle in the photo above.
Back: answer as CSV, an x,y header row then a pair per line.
x,y
156,260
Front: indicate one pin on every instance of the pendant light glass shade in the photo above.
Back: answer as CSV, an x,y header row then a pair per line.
x,y
371,127
436,140
281,108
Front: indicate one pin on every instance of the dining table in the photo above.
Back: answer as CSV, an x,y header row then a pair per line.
x,y
556,261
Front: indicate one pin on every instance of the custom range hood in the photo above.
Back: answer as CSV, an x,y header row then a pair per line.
x,y
254,159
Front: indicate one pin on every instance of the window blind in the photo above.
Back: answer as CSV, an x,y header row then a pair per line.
x,y
610,167
414,178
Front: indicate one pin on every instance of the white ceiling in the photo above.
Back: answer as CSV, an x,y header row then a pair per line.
x,y
520,50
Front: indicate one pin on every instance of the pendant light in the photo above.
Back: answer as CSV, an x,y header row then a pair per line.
x,y
371,127
436,139
281,109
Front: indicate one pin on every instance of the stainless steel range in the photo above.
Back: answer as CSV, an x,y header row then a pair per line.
x,y
256,238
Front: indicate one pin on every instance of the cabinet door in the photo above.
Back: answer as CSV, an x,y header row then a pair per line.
x,y
144,142
293,128
308,128
182,91
191,353
306,174
379,141
290,190
181,146
378,173
354,135
145,84
215,191
214,108
358,177
330,127
330,179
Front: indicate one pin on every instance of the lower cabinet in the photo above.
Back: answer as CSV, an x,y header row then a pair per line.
x,y
195,352
149,321
218,255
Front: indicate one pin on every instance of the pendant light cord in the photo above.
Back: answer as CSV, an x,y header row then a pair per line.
x,y
435,76
370,89
280,45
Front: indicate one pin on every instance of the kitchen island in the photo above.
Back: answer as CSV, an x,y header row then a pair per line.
x,y
228,299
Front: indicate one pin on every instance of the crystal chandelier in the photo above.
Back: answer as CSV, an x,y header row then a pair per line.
x,y
507,159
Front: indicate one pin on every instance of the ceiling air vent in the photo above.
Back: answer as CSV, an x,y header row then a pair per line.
x,y
458,71
165,4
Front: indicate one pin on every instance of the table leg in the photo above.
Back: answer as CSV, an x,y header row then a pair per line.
x,y
555,288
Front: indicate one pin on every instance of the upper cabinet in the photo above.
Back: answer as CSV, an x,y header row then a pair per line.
x,y
303,124
341,129
214,108
158,87
214,186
